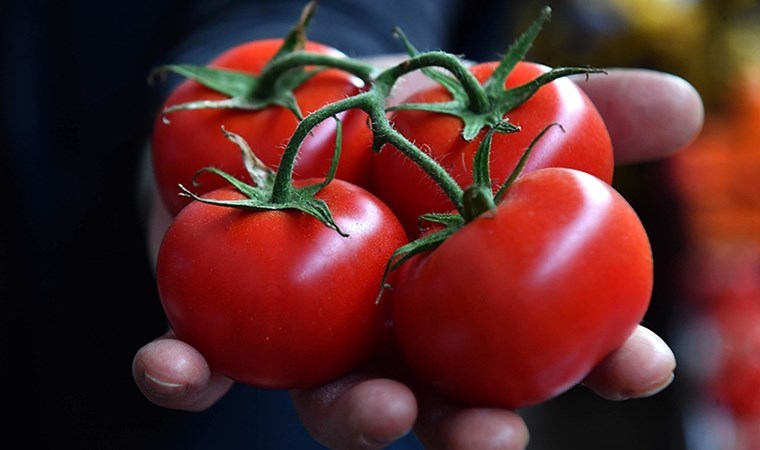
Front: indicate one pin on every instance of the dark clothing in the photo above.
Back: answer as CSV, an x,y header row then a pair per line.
x,y
77,288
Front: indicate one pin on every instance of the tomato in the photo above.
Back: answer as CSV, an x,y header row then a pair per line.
x,y
584,144
276,299
521,303
193,139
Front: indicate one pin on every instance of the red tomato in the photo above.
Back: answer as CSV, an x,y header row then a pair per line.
x,y
193,139
277,299
585,144
518,305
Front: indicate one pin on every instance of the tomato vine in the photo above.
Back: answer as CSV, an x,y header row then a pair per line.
x,y
479,106
524,216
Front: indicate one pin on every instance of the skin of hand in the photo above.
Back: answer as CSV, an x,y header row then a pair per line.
x,y
650,115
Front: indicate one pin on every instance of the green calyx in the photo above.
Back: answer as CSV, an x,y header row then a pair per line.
x,y
478,199
265,193
290,67
481,107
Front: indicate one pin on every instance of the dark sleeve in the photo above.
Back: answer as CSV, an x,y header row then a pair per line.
x,y
356,27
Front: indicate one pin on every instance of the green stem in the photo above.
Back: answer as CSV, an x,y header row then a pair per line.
x,y
273,71
373,103
283,182
479,102
382,127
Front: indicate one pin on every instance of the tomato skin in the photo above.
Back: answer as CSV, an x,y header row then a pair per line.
x,y
584,144
193,139
518,306
276,299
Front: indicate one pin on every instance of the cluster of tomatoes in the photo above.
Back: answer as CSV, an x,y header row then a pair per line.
x,y
318,226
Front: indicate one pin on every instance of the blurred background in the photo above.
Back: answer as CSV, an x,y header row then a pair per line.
x,y
67,342
702,208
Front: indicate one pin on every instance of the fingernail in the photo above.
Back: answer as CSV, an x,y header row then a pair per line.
x,y
657,388
163,388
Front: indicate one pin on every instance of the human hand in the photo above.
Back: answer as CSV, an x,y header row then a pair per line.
x,y
364,411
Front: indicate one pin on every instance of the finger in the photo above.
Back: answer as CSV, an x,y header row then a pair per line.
x,y
356,412
484,429
649,114
642,367
172,374
442,425
467,428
